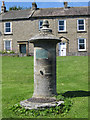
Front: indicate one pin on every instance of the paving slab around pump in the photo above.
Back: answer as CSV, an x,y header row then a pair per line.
x,y
37,104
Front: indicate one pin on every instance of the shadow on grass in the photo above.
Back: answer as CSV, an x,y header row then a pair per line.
x,y
71,94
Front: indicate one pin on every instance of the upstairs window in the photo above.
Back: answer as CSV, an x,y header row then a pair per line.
x,y
81,25
81,44
62,25
40,24
7,28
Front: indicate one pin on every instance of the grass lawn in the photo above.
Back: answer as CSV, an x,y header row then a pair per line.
x,y
72,82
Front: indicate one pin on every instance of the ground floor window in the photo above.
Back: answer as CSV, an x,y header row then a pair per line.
x,y
81,44
7,45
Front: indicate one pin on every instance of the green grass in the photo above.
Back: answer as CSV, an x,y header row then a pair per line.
x,y
72,82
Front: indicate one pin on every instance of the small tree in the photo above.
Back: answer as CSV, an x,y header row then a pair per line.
x,y
15,8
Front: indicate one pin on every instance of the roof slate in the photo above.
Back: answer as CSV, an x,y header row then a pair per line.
x,y
17,14
44,12
61,11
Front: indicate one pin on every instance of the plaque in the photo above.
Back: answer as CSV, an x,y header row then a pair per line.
x,y
41,54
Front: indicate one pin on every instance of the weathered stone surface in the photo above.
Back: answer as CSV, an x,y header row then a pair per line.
x,y
32,105
44,62
41,100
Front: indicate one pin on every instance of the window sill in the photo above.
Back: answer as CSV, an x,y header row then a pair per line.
x,y
82,50
8,33
81,31
62,31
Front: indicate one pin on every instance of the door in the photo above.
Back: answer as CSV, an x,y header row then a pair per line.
x,y
62,49
23,48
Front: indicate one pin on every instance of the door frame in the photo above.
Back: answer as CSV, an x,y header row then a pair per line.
x,y
27,46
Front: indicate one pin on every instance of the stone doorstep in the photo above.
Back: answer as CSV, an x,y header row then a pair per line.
x,y
31,105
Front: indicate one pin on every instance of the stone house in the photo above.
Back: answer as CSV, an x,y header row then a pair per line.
x,y
70,24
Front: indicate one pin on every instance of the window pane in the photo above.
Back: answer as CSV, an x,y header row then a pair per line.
x,y
7,48
7,24
8,30
81,40
7,45
61,27
41,23
81,27
81,21
81,46
61,22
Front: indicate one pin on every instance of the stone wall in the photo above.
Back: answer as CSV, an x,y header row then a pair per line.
x,y
23,30
77,54
0,36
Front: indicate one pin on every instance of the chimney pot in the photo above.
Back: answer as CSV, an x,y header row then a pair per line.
x,y
3,8
65,4
3,3
34,6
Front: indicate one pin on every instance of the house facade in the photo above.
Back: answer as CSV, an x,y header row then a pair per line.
x,y
70,24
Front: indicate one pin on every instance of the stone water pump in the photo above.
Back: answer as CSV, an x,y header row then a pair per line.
x,y
44,62
44,67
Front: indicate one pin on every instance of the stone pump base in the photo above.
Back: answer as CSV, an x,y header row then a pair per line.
x,y
40,103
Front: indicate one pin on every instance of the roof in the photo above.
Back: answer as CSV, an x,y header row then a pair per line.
x,y
61,11
17,14
44,12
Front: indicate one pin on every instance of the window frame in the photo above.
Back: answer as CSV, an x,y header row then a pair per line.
x,y
8,27
79,25
64,25
82,43
39,24
10,44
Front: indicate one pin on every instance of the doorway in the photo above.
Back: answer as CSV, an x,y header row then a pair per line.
x,y
62,49
23,48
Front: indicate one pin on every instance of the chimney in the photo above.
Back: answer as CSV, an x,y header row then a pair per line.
x,y
3,8
65,4
34,6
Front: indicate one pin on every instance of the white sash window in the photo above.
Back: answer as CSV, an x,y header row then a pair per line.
x,y
81,44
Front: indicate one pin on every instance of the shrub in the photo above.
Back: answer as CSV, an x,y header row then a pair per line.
x,y
7,52
62,109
